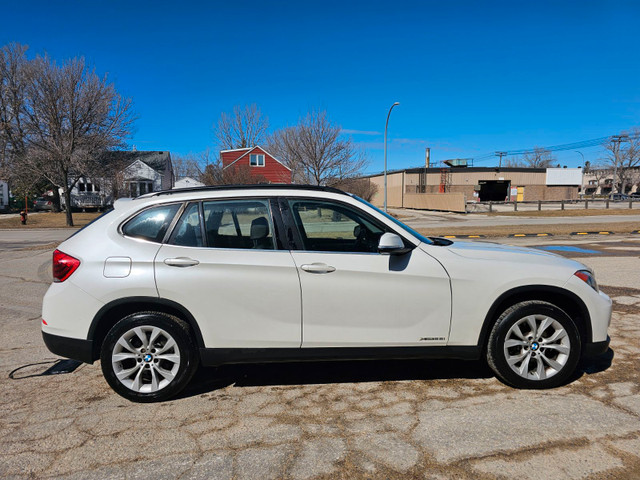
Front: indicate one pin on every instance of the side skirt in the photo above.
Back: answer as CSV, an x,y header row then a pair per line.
x,y
210,357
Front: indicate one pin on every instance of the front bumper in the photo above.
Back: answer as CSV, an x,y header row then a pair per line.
x,y
594,349
74,348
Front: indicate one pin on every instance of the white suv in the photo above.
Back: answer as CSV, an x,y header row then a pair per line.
x,y
289,273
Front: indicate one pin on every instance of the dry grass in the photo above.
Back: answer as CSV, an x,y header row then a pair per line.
x,y
559,229
47,220
568,213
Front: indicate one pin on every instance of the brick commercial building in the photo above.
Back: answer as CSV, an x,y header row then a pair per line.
x,y
479,184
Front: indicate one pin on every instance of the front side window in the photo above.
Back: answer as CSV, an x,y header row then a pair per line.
x,y
238,224
331,227
257,160
151,224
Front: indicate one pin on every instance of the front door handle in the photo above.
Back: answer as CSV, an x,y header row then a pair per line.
x,y
318,268
181,262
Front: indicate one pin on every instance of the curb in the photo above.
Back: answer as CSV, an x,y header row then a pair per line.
x,y
463,236
592,233
530,235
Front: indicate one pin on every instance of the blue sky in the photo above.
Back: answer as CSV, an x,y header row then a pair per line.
x,y
471,77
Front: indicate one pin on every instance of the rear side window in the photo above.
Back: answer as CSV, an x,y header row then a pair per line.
x,y
188,232
151,224
239,224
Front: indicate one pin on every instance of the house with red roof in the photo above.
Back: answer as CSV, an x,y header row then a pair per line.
x,y
255,162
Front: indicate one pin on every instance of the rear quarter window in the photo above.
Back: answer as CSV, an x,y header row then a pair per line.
x,y
151,224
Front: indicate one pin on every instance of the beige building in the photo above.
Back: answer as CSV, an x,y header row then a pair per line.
x,y
406,188
600,182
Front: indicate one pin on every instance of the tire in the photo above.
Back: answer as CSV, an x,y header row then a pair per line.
x,y
534,345
143,372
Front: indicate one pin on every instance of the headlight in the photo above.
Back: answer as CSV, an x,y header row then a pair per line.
x,y
587,277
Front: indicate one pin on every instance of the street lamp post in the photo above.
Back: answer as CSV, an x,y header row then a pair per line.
x,y
385,155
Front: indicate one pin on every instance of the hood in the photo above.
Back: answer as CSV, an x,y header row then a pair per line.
x,y
499,252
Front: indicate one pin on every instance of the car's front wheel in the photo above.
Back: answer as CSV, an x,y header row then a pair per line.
x,y
534,344
148,356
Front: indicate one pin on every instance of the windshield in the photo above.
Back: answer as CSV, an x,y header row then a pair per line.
x,y
419,236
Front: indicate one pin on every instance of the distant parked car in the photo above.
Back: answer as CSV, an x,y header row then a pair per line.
x,y
42,203
618,197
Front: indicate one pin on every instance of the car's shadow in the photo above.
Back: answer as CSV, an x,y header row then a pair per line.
x,y
307,373
209,379
596,364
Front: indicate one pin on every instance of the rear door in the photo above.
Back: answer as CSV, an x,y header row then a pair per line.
x,y
223,264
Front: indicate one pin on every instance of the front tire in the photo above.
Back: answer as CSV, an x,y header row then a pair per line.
x,y
148,356
534,345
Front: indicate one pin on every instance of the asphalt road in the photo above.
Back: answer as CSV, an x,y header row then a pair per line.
x,y
386,420
429,219
15,238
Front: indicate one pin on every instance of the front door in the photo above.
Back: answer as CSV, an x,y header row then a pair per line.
x,y
221,263
353,296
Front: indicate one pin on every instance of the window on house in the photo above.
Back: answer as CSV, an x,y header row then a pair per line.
x,y
89,187
143,188
80,187
257,160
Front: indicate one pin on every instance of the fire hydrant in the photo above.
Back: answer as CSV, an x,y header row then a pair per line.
x,y
23,217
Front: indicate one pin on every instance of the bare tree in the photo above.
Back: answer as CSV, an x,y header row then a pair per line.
x,y
71,117
245,127
316,152
514,162
624,158
362,187
538,158
600,171
13,84
187,166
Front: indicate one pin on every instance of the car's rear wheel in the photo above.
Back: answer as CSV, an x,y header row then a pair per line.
x,y
148,356
534,344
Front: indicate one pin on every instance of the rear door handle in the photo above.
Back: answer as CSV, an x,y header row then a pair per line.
x,y
318,268
181,262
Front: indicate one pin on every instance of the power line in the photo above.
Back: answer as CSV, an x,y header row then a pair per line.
x,y
595,142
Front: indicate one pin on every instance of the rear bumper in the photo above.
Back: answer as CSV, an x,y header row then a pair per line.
x,y
74,348
594,349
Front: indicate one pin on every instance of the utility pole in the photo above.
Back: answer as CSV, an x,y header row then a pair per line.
x,y
386,125
616,140
500,154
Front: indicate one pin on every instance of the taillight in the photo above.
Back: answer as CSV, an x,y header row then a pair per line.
x,y
63,266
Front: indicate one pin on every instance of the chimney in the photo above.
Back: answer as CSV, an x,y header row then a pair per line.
x,y
427,157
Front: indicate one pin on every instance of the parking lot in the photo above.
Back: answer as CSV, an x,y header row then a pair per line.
x,y
387,420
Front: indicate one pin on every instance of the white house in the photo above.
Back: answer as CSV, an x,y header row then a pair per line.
x,y
187,182
141,172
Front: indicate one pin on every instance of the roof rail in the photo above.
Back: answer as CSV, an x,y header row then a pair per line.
x,y
262,186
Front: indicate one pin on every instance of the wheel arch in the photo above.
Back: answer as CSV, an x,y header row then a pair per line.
x,y
113,311
567,301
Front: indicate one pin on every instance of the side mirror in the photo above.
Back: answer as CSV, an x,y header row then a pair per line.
x,y
391,244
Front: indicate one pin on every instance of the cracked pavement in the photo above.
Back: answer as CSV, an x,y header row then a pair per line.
x,y
381,419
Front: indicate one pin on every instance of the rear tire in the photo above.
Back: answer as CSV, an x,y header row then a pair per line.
x,y
149,356
534,345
